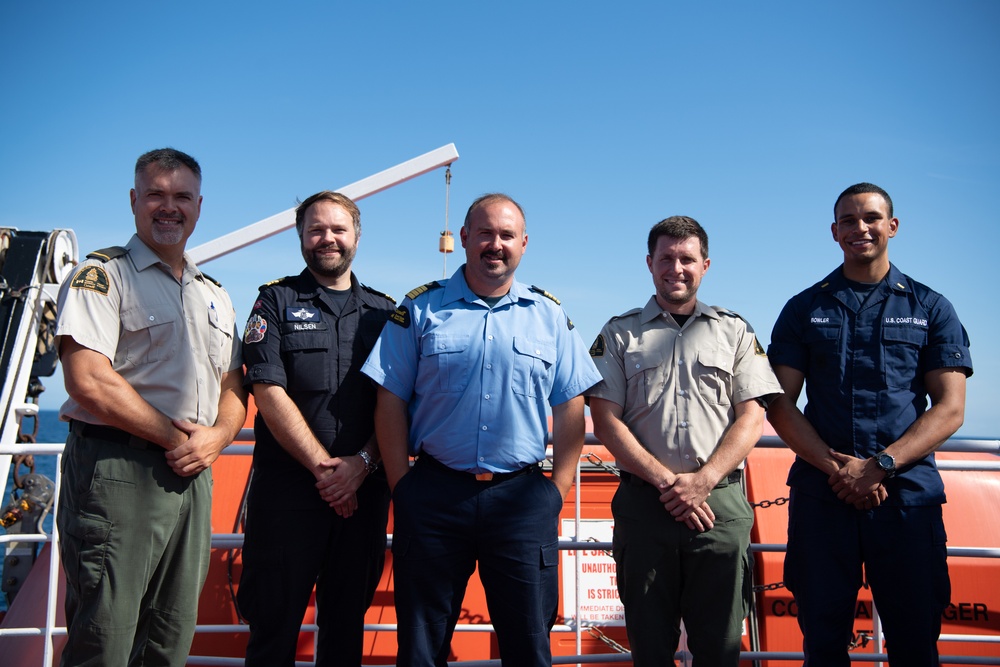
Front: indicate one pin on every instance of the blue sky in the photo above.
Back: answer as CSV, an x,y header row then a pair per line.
x,y
600,118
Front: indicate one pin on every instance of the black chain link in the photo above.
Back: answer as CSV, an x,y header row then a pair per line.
x,y
764,504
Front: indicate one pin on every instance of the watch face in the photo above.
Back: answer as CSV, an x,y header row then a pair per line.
x,y
886,462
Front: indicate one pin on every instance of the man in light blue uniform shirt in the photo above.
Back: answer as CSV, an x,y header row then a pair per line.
x,y
467,368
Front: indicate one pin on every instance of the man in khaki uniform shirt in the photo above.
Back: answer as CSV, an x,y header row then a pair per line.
x,y
680,406
152,365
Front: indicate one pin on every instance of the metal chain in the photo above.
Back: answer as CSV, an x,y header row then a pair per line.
x,y
595,460
768,587
764,504
597,634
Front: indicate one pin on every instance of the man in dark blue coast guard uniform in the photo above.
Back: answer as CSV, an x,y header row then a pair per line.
x,y
467,367
317,506
871,345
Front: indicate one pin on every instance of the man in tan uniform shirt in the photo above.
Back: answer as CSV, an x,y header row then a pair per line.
x,y
152,365
680,407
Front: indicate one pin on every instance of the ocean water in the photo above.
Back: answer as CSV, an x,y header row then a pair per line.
x,y
50,430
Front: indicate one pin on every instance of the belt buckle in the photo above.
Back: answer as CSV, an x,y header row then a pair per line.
x,y
484,477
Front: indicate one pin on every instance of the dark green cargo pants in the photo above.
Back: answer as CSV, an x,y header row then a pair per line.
x,y
134,540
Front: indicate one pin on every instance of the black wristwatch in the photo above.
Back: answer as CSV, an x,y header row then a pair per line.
x,y
887,462
370,465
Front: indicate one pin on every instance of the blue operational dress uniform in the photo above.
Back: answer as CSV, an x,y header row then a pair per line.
x,y
478,380
864,366
297,337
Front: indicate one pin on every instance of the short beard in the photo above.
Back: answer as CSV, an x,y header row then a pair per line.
x,y
330,268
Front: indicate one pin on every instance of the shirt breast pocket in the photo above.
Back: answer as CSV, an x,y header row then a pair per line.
x,y
446,361
150,334
823,343
220,334
532,360
643,377
306,354
715,374
901,346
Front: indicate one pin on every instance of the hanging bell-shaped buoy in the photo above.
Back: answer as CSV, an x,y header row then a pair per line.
x,y
447,242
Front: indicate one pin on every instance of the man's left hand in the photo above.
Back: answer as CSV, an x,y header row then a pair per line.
x,y
339,486
685,496
857,478
198,452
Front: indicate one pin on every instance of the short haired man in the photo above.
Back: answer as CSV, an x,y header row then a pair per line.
x,y
317,506
467,368
680,407
151,360
871,345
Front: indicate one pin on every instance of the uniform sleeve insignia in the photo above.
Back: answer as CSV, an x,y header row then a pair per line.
x,y
256,330
569,323
414,293
758,348
597,349
539,290
401,315
93,278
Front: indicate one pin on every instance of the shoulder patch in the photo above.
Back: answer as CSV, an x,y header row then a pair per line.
x,y
256,330
93,278
401,315
539,290
414,293
597,349
211,279
376,292
107,254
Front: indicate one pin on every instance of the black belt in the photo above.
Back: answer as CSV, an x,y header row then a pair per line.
x,y
109,433
478,476
634,480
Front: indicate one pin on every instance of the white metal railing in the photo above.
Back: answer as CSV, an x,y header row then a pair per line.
x,y
235,541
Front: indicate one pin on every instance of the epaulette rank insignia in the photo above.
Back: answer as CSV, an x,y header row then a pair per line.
x,y
371,290
211,279
539,290
108,254
276,281
414,293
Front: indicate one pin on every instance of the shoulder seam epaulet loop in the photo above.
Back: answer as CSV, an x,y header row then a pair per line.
x,y
417,291
211,279
108,254
372,290
539,290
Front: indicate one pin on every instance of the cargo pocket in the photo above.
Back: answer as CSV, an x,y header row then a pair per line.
x,y
84,549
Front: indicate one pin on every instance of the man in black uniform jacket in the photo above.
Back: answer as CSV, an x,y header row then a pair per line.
x,y
318,504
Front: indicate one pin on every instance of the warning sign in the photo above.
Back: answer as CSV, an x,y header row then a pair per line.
x,y
598,577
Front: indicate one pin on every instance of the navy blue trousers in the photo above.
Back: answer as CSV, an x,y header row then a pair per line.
x,y
905,562
444,524
295,541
